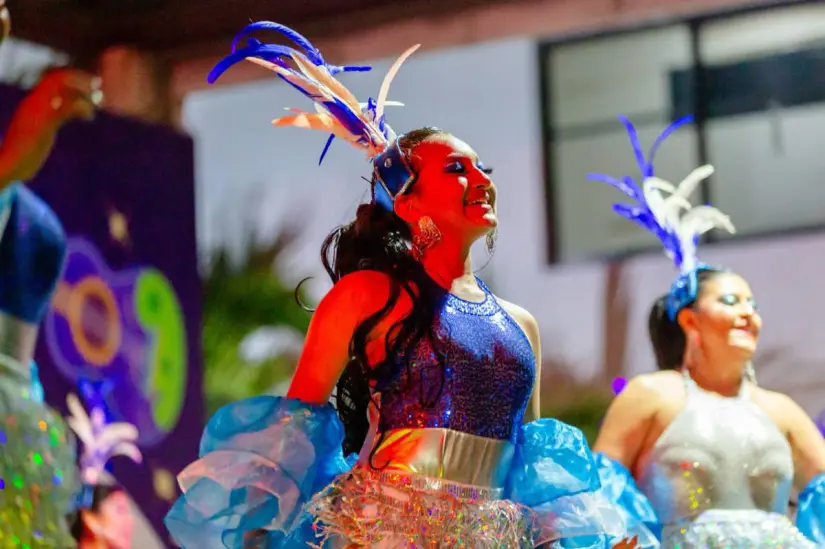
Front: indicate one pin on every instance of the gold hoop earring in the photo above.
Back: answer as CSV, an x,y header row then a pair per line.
x,y
427,237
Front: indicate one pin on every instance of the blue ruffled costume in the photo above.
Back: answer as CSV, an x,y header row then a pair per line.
x,y
461,473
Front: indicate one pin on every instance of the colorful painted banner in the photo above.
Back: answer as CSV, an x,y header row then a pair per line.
x,y
126,314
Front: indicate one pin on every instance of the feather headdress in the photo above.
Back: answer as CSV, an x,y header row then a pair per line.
x,y
101,441
664,209
337,110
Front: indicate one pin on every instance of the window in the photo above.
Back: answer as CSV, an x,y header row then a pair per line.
x,y
764,94
759,92
590,83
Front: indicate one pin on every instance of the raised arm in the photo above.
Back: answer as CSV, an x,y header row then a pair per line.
x,y
62,95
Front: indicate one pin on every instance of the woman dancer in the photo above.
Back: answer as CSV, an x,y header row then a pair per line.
x,y
37,466
715,453
104,519
454,454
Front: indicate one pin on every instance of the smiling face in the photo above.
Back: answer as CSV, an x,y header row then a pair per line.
x,y
725,317
453,188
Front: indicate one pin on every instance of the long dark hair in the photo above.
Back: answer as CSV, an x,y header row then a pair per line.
x,y
99,495
666,335
379,240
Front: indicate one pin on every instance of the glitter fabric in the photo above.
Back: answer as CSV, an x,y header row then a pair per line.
x,y
719,453
37,470
485,355
365,507
749,529
265,460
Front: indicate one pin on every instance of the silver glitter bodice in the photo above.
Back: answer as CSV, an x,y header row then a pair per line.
x,y
718,454
480,386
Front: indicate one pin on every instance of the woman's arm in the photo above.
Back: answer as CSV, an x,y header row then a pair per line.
x,y
62,95
806,441
326,349
627,422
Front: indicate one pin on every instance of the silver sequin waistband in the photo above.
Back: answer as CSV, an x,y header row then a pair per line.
x,y
432,485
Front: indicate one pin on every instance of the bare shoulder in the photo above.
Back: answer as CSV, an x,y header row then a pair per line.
x,y
360,293
663,381
523,318
652,388
779,407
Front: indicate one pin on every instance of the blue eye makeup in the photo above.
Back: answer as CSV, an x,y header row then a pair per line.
x,y
458,167
733,299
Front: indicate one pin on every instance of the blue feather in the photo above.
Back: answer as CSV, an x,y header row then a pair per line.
x,y
268,52
335,69
326,148
659,140
635,143
310,51
641,212
625,185
275,52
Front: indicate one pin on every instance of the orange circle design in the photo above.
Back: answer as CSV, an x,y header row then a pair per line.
x,y
94,354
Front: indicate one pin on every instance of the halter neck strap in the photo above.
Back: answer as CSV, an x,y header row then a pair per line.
x,y
692,388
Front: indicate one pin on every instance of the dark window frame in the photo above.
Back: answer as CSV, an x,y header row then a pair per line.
x,y
700,112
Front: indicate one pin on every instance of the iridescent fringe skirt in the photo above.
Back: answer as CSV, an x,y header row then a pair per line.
x,y
734,529
37,471
366,508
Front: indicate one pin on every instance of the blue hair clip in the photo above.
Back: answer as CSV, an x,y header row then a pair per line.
x,y
672,219
393,175
338,112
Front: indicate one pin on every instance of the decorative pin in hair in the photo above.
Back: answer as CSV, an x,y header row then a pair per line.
x,y
665,210
337,111
101,442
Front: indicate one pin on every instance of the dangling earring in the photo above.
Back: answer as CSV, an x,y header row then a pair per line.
x,y
491,241
427,237
750,373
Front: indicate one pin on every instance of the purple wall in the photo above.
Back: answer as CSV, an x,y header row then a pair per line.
x,y
127,313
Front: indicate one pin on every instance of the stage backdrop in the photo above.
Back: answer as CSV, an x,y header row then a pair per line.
x,y
127,311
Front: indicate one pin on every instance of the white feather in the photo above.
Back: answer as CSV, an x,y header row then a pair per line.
x,y
100,441
675,213
384,91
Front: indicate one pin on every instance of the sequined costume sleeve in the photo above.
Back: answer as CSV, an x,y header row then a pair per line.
x,y
261,460
810,517
38,478
619,487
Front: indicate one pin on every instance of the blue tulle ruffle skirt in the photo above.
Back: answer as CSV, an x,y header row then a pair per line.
x,y
272,474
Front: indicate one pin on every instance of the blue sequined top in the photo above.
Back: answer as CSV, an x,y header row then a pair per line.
x,y
488,373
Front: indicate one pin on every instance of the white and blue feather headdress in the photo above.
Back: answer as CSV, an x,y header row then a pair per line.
x,y
337,111
671,218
